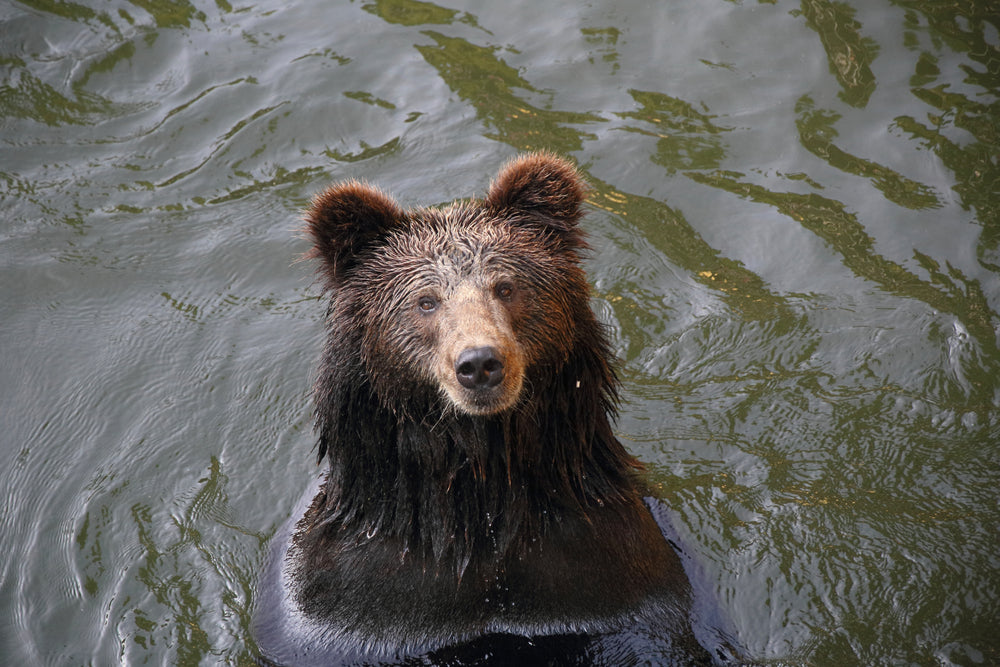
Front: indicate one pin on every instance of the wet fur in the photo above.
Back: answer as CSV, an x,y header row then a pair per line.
x,y
440,524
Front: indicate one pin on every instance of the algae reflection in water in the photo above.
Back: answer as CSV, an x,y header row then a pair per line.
x,y
795,219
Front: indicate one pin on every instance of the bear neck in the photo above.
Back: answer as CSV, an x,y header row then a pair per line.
x,y
448,486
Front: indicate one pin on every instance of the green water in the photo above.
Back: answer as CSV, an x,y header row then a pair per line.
x,y
795,219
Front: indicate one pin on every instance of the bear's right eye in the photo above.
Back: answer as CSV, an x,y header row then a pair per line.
x,y
427,304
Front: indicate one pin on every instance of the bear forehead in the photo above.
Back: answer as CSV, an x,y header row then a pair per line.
x,y
464,239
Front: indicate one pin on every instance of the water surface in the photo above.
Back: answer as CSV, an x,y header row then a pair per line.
x,y
795,219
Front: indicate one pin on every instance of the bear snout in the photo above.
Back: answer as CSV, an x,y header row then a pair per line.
x,y
485,377
479,368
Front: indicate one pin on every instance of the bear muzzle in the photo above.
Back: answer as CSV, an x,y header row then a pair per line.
x,y
479,368
484,379
478,361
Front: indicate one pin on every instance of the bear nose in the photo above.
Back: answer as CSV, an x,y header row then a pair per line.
x,y
479,368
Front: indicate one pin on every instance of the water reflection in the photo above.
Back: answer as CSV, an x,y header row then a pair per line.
x,y
964,27
823,413
686,138
849,53
411,12
175,13
974,164
478,76
817,132
283,177
829,219
23,95
366,153
744,291
605,40
179,563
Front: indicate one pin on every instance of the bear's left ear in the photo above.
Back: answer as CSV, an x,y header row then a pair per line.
x,y
541,184
345,220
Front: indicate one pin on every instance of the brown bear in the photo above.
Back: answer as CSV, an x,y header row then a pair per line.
x,y
477,507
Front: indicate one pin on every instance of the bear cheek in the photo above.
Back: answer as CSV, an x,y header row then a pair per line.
x,y
397,352
546,330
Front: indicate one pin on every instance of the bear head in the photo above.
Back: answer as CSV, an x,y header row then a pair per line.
x,y
464,306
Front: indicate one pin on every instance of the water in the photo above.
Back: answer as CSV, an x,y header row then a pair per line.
x,y
796,228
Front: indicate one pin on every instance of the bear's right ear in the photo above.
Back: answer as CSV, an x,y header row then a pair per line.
x,y
345,220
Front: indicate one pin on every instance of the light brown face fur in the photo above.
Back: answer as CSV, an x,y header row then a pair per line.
x,y
471,316
457,281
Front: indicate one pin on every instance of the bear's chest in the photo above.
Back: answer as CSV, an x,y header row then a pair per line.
x,y
574,575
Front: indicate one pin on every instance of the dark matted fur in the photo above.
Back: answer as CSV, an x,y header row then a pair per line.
x,y
458,524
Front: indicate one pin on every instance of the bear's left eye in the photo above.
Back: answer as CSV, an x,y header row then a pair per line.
x,y
427,304
504,291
